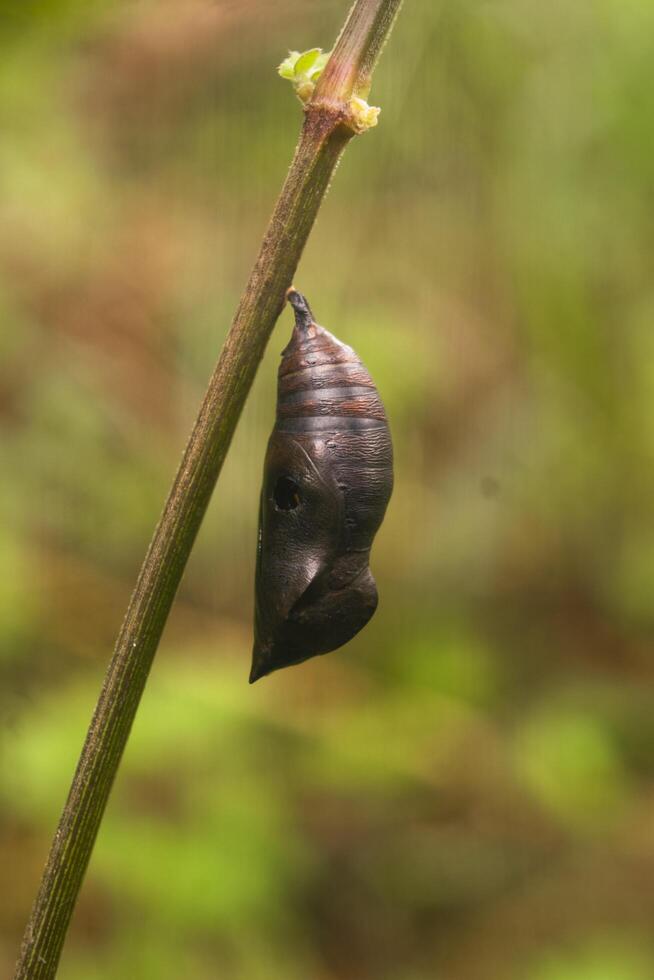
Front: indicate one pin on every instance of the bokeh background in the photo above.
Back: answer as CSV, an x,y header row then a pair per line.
x,y
466,791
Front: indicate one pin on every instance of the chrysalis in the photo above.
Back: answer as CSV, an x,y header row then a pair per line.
x,y
328,476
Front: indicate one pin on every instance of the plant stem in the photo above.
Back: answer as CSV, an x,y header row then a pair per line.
x,y
325,134
349,70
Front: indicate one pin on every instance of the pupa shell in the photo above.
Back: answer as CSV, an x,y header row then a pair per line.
x,y
328,476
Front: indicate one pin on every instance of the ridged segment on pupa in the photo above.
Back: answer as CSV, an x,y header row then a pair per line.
x,y
328,476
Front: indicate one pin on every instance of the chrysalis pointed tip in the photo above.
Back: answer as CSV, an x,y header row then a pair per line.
x,y
303,314
259,667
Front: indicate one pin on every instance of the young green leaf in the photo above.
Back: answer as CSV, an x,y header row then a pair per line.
x,y
307,60
304,69
287,67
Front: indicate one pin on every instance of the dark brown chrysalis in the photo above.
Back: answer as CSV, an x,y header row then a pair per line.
x,y
328,476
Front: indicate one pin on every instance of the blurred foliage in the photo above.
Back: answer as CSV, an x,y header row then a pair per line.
x,y
465,792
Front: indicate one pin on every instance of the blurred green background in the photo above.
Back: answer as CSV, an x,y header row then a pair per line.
x,y
466,791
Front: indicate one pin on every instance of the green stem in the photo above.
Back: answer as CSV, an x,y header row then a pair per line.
x,y
349,70
324,136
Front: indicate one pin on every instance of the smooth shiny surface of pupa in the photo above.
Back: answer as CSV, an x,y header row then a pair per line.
x,y
328,477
